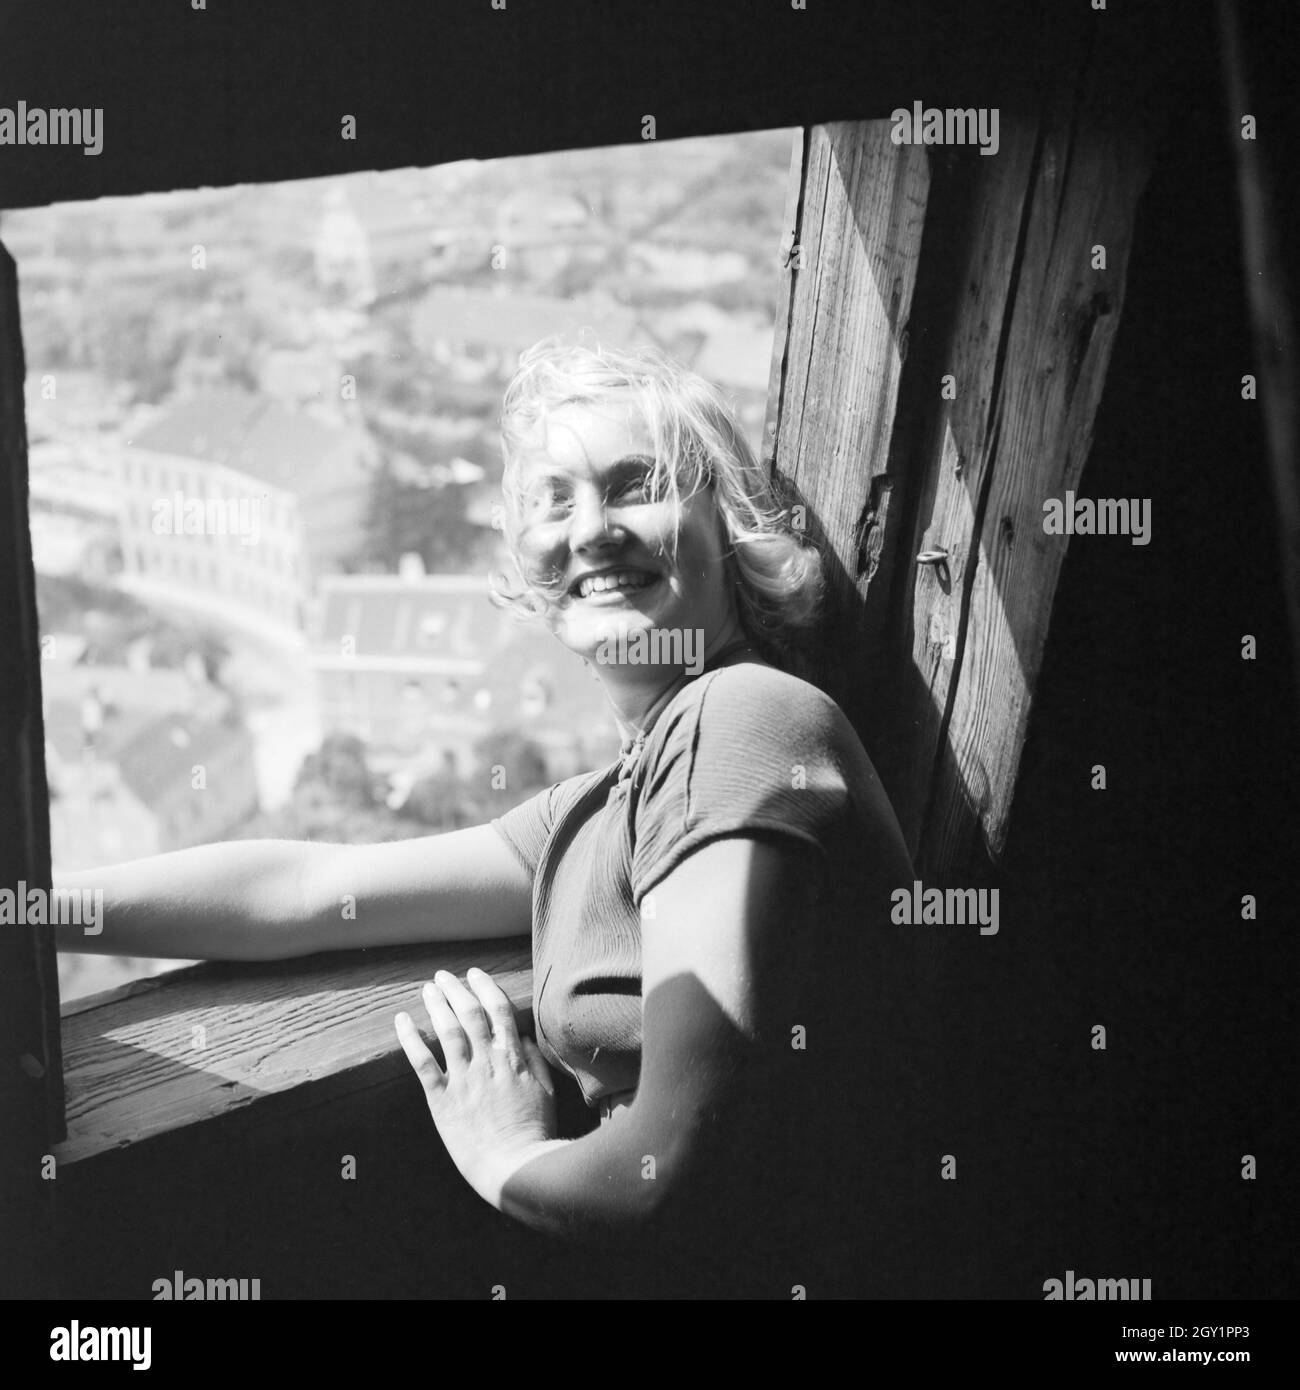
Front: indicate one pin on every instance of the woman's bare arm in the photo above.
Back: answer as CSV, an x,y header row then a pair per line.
x,y
714,985
717,996
268,899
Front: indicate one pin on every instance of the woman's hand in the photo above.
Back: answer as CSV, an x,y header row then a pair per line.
x,y
494,1106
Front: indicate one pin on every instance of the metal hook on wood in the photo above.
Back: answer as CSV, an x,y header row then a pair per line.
x,y
939,559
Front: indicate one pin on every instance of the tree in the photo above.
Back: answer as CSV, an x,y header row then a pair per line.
x,y
338,771
403,517
508,767
521,761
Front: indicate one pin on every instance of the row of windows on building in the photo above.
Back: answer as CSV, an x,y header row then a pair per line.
x,y
209,573
257,561
164,480
231,509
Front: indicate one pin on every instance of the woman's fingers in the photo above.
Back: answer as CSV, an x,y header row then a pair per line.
x,y
537,1065
498,1008
473,1019
446,1024
431,1075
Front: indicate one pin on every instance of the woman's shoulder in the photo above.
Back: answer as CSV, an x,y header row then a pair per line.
x,y
753,695
765,680
748,749
542,810
751,714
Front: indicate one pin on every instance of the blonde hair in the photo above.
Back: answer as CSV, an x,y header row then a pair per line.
x,y
698,444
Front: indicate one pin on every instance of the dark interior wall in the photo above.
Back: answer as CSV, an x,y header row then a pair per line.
x,y
353,1200
1122,907
234,93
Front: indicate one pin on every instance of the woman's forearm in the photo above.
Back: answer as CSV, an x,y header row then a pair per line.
x,y
267,899
609,1185
242,900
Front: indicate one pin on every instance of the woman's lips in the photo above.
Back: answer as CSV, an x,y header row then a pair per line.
x,y
614,593
615,598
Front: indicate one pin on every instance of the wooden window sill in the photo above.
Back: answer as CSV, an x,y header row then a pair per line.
x,y
199,1044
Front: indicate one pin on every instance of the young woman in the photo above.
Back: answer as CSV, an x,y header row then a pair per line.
x,y
706,913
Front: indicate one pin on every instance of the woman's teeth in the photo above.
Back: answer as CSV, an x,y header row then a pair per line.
x,y
616,579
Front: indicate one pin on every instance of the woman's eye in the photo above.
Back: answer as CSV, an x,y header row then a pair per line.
x,y
547,499
634,490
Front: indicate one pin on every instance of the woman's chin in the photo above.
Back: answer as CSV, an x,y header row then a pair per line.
x,y
591,632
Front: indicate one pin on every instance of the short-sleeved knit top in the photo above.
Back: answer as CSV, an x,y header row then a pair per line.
x,y
741,749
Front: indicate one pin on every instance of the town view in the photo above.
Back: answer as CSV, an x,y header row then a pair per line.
x,y
320,364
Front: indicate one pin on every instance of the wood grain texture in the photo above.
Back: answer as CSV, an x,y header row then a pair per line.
x,y
943,452
936,664
282,1036
841,338
1085,172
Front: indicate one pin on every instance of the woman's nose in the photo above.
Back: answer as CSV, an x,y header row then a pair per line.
x,y
590,523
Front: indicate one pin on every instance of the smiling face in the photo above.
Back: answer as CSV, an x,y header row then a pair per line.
x,y
619,559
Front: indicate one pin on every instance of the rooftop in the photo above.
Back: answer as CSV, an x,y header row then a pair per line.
x,y
393,617
257,436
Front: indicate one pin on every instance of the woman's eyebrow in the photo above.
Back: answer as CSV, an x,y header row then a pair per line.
x,y
628,462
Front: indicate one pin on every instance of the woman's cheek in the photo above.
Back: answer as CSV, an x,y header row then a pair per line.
x,y
537,552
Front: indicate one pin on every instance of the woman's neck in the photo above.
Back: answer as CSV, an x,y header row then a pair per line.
x,y
638,693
